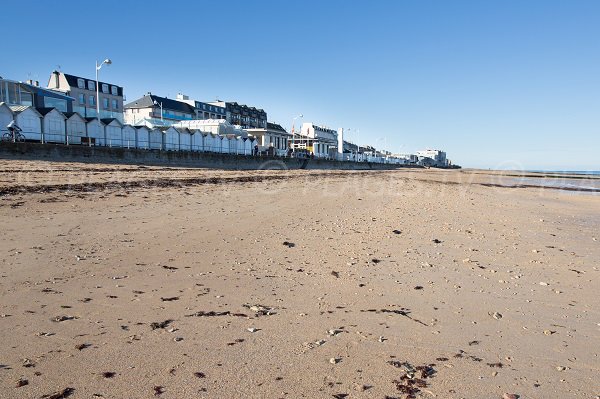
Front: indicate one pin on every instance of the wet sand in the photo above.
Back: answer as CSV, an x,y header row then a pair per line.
x,y
134,282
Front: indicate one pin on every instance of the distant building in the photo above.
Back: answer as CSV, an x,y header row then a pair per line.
x,y
272,136
243,115
32,95
158,111
84,92
318,140
437,156
204,110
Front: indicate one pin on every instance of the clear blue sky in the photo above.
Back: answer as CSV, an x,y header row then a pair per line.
x,y
496,84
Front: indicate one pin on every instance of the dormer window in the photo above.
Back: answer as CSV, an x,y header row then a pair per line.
x,y
91,85
114,90
81,83
104,88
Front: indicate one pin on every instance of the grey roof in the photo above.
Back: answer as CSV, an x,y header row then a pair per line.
x,y
91,118
275,126
71,114
148,101
72,81
107,121
45,110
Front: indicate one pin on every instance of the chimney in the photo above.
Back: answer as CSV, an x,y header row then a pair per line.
x,y
37,83
56,79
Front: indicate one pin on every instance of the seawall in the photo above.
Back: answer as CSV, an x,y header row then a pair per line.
x,y
117,155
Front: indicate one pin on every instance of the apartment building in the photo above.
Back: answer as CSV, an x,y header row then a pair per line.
x,y
243,115
158,110
32,95
204,110
83,90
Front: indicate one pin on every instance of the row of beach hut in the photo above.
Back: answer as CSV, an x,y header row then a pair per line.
x,y
49,125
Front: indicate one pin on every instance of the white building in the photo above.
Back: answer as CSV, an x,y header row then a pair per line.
x,y
438,157
273,136
214,126
319,140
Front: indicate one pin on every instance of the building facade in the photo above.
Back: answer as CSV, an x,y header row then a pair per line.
x,y
273,136
32,95
204,110
243,115
158,111
83,91
438,157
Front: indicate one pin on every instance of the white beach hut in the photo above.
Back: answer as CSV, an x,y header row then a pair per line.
x,y
6,116
224,144
197,140
142,137
210,143
95,132
29,120
75,125
129,134
171,138
156,139
185,139
53,125
113,130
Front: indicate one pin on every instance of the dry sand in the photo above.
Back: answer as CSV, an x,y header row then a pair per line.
x,y
472,291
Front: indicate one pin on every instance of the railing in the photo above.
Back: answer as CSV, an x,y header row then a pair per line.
x,y
215,145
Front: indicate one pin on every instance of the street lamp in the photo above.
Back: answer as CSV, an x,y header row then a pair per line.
x,y
294,133
161,110
98,66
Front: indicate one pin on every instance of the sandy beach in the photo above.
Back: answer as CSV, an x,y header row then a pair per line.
x,y
144,282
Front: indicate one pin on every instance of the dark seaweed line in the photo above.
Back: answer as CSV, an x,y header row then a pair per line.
x,y
150,183
579,189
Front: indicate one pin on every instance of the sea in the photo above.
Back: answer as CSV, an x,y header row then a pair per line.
x,y
583,181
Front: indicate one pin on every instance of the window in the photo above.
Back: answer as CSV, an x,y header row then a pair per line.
x,y
81,83
92,100
82,98
114,90
105,102
115,104
91,85
104,88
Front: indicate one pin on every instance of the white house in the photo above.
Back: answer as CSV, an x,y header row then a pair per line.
x,y
129,136
53,125
142,137
95,132
6,116
113,132
75,127
29,120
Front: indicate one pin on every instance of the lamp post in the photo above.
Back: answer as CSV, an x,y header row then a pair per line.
x,y
161,110
294,133
98,66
